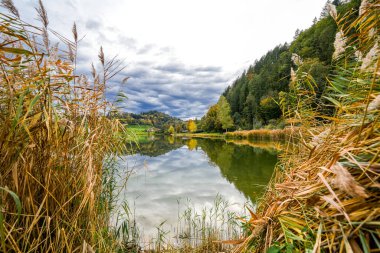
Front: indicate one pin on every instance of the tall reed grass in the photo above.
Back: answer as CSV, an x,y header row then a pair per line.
x,y
261,134
56,142
324,196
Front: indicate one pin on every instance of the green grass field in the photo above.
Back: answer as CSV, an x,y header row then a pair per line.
x,y
138,129
138,133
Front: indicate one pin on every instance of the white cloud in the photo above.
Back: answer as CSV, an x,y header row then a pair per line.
x,y
185,49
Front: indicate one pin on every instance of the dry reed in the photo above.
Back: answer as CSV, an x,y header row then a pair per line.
x,y
261,134
324,196
56,143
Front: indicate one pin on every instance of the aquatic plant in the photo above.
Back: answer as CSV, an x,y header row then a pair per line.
x,y
205,230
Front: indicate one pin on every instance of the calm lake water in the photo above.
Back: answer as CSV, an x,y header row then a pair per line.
x,y
168,175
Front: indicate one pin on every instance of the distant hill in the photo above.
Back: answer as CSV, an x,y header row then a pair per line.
x,y
152,118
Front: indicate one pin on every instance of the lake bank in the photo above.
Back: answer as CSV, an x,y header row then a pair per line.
x,y
254,134
200,135
261,134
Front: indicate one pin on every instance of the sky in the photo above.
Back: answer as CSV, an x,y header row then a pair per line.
x,y
180,55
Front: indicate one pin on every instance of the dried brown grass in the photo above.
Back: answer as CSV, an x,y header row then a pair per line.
x,y
325,196
55,144
261,134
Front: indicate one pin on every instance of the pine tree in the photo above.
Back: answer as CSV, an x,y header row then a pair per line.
x,y
325,10
296,34
337,2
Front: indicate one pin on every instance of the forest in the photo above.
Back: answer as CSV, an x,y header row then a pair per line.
x,y
255,96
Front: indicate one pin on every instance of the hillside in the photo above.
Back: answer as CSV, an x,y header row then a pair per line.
x,y
152,118
254,97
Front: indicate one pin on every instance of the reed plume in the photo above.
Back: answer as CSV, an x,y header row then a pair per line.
x,y
324,194
57,144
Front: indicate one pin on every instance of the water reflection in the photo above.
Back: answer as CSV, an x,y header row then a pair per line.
x,y
248,168
170,170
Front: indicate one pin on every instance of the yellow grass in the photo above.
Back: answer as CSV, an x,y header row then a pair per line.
x,y
261,134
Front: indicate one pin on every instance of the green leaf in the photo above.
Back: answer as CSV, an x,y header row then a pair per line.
x,y
374,237
31,105
15,198
18,206
364,242
334,101
35,99
274,249
289,248
19,110
13,50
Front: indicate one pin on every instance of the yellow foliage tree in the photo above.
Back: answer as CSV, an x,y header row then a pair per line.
x,y
191,126
192,144
171,130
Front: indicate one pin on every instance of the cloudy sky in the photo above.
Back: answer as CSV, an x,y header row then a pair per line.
x,y
180,55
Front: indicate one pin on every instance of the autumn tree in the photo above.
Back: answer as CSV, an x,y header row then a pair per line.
x,y
171,130
192,144
191,126
224,113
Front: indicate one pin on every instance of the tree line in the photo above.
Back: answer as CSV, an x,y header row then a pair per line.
x,y
253,99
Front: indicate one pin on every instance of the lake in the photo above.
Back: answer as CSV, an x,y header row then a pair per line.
x,y
172,175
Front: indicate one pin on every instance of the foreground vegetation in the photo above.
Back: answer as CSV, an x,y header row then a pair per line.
x,y
57,146
324,196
